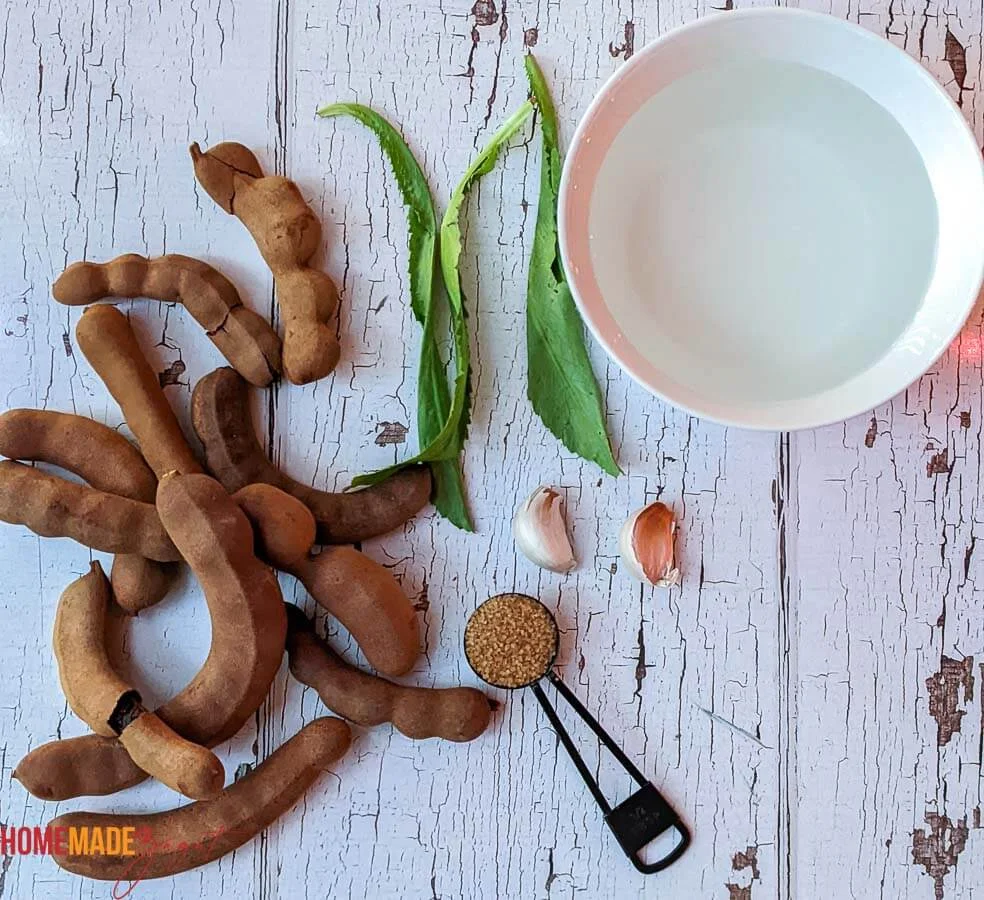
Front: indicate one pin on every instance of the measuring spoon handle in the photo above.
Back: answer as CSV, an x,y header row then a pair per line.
x,y
640,818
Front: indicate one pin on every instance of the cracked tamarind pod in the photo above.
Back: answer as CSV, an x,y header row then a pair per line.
x,y
196,834
455,714
108,462
287,234
243,337
110,706
221,418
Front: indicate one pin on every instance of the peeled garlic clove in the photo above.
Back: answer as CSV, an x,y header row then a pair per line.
x,y
646,545
540,531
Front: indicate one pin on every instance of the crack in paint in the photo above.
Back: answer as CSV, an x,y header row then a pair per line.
x,y
871,433
939,463
390,433
172,374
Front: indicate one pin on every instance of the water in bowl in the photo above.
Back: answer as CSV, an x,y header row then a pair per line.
x,y
762,231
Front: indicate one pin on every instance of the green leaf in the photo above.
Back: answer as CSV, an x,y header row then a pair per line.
x,y
451,245
433,394
447,444
560,382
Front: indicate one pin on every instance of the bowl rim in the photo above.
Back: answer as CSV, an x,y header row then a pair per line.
x,y
803,421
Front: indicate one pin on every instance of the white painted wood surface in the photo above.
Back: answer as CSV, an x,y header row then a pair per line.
x,y
781,696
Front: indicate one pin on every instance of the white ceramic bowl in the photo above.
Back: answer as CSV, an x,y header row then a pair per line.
x,y
773,218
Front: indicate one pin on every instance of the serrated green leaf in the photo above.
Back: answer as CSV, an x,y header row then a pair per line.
x,y
444,448
433,394
450,253
561,384
447,444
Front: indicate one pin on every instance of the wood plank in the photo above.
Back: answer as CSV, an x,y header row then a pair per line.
x,y
883,525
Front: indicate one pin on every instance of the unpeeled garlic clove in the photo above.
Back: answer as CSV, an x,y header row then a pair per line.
x,y
540,531
646,545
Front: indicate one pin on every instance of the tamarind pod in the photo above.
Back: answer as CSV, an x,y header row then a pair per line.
x,y
185,767
53,507
455,714
89,449
84,766
311,348
108,342
89,683
368,601
242,336
283,527
109,463
222,420
196,834
139,583
109,705
287,234
244,602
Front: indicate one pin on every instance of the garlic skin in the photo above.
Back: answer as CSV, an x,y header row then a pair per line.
x,y
540,531
646,545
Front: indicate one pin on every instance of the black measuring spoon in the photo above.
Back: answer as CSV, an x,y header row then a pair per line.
x,y
511,642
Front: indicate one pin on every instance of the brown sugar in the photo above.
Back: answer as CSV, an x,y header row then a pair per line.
x,y
511,640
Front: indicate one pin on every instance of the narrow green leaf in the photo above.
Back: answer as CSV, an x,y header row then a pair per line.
x,y
433,394
447,444
451,246
560,382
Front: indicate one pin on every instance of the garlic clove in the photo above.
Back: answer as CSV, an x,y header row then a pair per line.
x,y
540,531
646,545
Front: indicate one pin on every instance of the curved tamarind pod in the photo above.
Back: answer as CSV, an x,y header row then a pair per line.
x,y
221,418
366,598
89,449
196,834
244,601
109,463
455,714
248,632
108,342
287,234
243,337
110,706
53,507
283,527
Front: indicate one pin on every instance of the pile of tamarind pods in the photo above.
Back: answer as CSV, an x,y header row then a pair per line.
x,y
235,520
